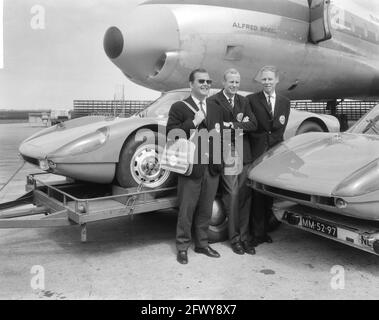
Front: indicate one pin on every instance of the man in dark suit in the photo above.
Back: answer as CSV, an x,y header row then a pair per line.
x,y
271,111
236,196
197,191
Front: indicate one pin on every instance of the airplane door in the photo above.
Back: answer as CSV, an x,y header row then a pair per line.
x,y
320,20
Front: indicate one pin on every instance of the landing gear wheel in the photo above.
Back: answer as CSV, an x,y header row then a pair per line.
x,y
272,223
218,227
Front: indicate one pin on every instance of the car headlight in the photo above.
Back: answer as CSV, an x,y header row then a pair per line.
x,y
280,148
361,182
87,143
260,159
44,165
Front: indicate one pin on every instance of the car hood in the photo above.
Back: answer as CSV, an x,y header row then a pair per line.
x,y
46,142
49,140
315,163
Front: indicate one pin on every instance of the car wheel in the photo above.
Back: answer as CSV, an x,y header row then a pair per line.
x,y
309,126
139,163
218,227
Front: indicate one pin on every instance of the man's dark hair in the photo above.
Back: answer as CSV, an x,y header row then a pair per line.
x,y
192,74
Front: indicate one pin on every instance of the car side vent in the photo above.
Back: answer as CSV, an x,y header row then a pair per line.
x,y
288,193
326,201
30,160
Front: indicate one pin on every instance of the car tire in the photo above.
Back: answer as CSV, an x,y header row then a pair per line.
x,y
139,162
218,226
309,126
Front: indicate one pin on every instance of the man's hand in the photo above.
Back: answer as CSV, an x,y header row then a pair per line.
x,y
199,117
228,125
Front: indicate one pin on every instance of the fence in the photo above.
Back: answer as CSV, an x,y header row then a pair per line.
x,y
347,110
119,108
351,110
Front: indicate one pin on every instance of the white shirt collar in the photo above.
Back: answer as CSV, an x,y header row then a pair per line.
x,y
273,95
227,97
197,101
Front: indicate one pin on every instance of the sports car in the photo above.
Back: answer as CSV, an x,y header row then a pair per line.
x,y
112,150
335,172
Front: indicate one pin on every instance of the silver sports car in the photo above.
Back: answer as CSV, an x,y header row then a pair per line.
x,y
335,172
108,149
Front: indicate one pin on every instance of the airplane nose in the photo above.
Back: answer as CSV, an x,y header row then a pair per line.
x,y
148,45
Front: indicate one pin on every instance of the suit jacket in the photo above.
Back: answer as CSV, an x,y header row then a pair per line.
x,y
181,117
270,129
233,114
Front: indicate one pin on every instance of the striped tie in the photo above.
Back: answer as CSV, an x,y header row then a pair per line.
x,y
231,102
201,107
270,106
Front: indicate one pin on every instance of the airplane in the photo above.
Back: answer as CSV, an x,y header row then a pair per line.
x,y
325,49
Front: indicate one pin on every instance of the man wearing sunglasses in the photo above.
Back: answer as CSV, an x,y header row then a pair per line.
x,y
197,191
236,195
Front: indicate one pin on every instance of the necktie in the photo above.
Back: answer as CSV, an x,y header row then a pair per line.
x,y
231,102
270,106
202,108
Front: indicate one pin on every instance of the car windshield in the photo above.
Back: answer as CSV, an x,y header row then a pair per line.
x,y
160,107
368,124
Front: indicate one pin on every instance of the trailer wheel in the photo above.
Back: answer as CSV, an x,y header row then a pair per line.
x,y
309,126
218,227
139,162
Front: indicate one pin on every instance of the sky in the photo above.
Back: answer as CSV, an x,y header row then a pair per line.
x,y
53,53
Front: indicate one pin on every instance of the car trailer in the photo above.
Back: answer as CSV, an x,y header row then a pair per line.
x,y
67,203
358,233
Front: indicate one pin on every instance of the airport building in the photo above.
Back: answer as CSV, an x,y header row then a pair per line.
x,y
118,108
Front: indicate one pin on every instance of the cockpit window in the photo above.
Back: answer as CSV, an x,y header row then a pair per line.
x,y
368,124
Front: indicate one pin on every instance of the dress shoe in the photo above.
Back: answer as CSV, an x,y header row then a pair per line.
x,y
237,248
208,251
248,247
182,257
262,239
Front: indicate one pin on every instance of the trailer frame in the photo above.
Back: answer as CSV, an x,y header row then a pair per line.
x,y
67,203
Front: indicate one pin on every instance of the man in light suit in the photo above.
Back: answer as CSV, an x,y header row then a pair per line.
x,y
236,196
197,191
271,111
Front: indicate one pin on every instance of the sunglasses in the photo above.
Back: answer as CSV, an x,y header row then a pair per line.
x,y
202,81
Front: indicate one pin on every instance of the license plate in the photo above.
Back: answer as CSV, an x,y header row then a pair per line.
x,y
319,226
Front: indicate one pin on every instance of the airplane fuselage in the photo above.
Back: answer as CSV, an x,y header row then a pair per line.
x,y
164,40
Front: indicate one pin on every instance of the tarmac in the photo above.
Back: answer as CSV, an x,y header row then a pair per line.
x,y
135,258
